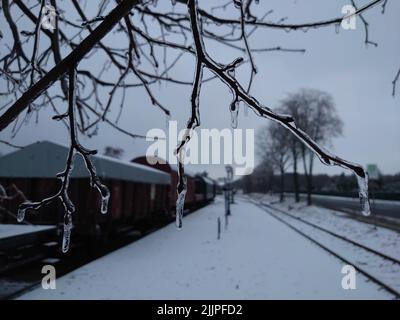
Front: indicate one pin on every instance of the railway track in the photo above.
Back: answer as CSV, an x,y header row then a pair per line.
x,y
380,221
24,278
378,267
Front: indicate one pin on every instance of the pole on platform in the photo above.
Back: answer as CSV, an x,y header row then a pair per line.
x,y
219,228
228,185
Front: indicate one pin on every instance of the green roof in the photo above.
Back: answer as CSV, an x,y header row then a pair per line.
x,y
45,159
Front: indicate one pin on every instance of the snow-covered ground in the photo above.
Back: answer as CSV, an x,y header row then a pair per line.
x,y
257,257
378,238
12,230
350,199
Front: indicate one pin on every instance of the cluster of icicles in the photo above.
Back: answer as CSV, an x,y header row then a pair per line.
x,y
234,109
67,224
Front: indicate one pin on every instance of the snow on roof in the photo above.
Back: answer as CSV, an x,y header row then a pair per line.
x,y
13,230
206,179
188,172
173,166
45,159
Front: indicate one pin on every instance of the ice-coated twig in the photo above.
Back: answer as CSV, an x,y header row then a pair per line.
x,y
384,6
290,26
94,20
285,120
64,176
394,82
136,14
7,143
239,4
171,23
16,192
366,24
193,122
36,43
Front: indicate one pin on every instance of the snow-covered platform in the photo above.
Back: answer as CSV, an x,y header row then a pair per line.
x,y
257,257
15,234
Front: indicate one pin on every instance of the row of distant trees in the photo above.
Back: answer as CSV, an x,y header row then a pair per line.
x,y
264,180
314,111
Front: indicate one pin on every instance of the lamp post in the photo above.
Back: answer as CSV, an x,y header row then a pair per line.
x,y
229,172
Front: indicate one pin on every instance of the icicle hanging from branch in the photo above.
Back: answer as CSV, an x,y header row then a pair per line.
x,y
287,121
64,176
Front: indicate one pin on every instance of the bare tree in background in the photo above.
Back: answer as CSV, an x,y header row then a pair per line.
x,y
315,111
274,145
135,56
292,106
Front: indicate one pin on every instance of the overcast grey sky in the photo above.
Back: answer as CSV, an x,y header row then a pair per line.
x,y
358,77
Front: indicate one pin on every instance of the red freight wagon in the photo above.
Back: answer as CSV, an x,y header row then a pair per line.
x,y
161,164
139,194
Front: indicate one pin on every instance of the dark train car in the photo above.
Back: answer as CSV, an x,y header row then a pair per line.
x,y
205,189
211,189
139,194
161,164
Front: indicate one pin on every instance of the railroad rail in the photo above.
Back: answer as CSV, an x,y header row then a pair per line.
x,y
74,259
385,259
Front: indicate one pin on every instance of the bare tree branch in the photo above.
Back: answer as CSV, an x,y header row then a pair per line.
x,y
63,66
394,82
142,60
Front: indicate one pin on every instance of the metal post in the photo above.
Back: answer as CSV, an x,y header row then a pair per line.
x,y
229,172
226,197
219,228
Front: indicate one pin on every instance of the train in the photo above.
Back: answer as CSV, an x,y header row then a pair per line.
x,y
143,193
200,188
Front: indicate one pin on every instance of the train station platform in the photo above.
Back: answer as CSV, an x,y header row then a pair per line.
x,y
256,257
12,235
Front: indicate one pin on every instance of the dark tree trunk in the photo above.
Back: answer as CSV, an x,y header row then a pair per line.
x,y
295,174
308,174
310,179
309,188
282,196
